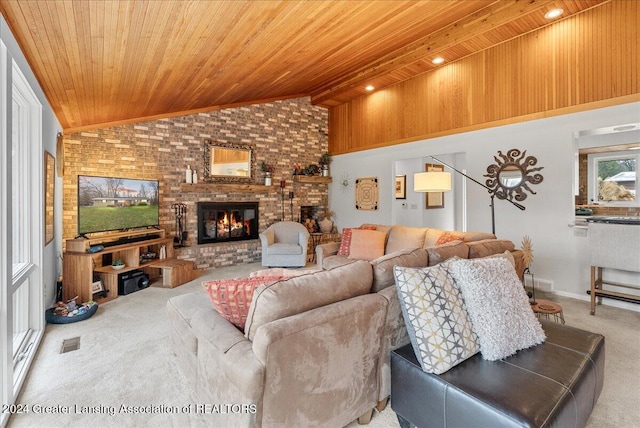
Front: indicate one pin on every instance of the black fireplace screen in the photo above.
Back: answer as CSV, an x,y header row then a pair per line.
x,y
223,221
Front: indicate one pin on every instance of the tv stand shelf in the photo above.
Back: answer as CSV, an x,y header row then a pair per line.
x,y
80,267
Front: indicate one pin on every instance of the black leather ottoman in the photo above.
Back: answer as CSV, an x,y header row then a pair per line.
x,y
555,384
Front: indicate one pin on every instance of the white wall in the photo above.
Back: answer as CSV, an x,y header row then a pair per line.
x,y
559,256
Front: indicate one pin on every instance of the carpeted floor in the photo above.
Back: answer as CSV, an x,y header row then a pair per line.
x,y
124,363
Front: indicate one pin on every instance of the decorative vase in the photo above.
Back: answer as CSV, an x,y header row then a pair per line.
x,y
267,179
325,170
326,225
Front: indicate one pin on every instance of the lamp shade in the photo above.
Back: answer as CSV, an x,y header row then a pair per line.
x,y
432,182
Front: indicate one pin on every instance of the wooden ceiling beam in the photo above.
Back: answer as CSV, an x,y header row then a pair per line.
x,y
497,14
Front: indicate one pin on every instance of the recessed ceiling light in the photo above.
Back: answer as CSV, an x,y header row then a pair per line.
x,y
437,60
553,13
369,87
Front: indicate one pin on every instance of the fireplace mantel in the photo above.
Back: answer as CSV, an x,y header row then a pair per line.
x,y
227,188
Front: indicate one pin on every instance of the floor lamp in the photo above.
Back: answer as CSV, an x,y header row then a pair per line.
x,y
441,182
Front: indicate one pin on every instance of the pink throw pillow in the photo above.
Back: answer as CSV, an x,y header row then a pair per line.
x,y
447,237
367,244
345,242
231,298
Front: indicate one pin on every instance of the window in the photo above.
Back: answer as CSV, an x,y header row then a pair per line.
x,y
613,179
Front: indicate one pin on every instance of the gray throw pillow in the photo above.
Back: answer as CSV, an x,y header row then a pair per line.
x,y
498,306
439,328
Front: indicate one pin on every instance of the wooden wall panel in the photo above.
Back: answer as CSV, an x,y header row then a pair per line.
x,y
582,62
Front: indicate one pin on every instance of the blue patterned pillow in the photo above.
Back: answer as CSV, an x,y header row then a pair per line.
x,y
437,322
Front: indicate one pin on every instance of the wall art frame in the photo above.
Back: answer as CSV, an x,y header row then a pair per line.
x,y
434,199
401,187
367,193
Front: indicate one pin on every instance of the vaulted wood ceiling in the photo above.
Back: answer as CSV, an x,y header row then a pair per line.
x,y
103,62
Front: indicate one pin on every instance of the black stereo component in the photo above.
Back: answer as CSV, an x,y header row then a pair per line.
x,y
131,282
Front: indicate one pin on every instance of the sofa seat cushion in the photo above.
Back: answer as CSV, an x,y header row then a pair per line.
x,y
334,261
383,266
497,305
231,298
299,294
556,383
284,249
180,310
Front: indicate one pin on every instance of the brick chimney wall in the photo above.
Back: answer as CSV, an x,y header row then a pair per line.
x,y
282,133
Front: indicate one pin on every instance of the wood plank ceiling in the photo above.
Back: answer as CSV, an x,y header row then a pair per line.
x,y
104,62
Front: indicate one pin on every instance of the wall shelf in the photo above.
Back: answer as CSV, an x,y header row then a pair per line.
x,y
311,179
227,188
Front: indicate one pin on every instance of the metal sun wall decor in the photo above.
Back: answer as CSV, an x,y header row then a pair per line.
x,y
512,174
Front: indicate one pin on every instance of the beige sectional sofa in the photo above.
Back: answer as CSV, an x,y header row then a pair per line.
x,y
315,350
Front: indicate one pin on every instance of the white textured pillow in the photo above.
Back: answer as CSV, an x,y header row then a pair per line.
x,y
440,331
497,305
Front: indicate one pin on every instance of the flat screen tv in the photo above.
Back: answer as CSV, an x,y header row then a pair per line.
x,y
114,203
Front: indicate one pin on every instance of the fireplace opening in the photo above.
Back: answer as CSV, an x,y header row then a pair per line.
x,y
227,221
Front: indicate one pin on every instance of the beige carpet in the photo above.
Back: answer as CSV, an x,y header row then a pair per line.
x,y
124,361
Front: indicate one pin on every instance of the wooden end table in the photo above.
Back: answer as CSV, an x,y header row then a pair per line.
x,y
546,308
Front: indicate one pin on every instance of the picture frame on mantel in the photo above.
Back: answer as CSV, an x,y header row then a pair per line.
x,y
401,187
434,199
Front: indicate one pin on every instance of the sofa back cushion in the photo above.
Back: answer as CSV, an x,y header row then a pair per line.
x,y
404,237
488,247
299,294
446,251
383,266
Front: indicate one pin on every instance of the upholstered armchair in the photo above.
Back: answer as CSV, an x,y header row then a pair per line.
x,y
284,244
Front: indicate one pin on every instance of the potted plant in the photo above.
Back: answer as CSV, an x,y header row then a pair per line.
x,y
324,162
267,169
117,264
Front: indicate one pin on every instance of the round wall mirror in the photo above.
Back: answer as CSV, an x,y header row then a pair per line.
x,y
512,174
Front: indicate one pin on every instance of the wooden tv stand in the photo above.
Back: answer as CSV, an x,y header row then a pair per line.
x,y
79,266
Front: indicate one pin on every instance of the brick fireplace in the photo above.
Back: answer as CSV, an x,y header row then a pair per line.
x,y
282,133
227,221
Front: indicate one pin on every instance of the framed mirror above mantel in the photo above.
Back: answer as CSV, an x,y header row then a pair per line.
x,y
228,163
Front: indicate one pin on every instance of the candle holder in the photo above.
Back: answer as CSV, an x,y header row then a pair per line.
x,y
291,205
282,186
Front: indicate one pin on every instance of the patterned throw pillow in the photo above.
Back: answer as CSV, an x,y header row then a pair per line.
x,y
439,328
345,242
498,306
231,298
447,237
